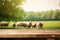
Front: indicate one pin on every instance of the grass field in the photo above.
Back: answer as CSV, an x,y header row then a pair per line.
x,y
47,25
51,24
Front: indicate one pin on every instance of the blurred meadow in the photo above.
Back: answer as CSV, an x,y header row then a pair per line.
x,y
47,11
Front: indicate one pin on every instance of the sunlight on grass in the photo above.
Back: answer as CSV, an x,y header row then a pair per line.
x,y
46,25
52,24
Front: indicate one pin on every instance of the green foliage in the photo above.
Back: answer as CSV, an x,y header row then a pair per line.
x,y
44,15
10,9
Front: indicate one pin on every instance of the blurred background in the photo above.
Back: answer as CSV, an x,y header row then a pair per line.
x,y
26,10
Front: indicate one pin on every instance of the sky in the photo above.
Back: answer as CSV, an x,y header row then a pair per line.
x,y
40,5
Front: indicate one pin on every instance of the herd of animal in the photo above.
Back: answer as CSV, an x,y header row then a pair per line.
x,y
20,24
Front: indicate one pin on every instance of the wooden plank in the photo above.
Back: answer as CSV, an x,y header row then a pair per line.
x,y
50,38
29,33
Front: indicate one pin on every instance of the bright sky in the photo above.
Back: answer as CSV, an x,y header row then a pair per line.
x,y
41,5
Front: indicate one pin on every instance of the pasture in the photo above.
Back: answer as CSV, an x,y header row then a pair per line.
x,y
46,25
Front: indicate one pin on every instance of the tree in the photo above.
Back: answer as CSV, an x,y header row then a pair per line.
x,y
56,15
10,8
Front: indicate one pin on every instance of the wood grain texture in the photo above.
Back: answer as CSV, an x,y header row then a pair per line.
x,y
29,33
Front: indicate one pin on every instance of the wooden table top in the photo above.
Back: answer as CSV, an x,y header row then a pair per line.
x,y
28,33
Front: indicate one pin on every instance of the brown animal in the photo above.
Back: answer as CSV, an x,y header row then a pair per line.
x,y
22,24
4,23
34,26
40,25
14,24
29,25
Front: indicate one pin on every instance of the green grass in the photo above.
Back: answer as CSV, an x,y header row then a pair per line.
x,y
50,24
47,25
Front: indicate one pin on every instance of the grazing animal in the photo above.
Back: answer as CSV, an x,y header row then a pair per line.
x,y
22,24
29,25
34,26
4,23
14,24
40,24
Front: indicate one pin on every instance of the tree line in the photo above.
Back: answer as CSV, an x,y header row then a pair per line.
x,y
11,10
44,15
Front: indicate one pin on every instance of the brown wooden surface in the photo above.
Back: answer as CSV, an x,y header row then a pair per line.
x,y
29,33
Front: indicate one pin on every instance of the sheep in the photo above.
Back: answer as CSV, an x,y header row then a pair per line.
x,y
34,26
29,25
22,24
40,25
4,23
14,25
